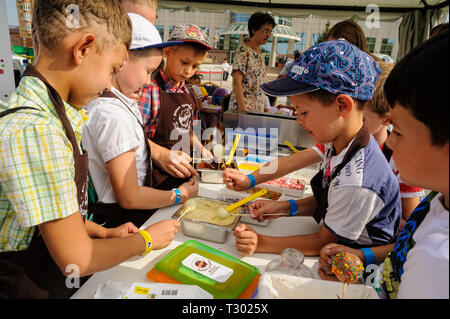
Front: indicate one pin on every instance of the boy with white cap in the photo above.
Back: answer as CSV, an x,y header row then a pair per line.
x,y
120,156
356,194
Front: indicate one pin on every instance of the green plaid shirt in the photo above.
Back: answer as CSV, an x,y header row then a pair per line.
x,y
37,167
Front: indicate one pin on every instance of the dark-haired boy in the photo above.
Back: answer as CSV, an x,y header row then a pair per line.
x,y
417,266
356,194
167,105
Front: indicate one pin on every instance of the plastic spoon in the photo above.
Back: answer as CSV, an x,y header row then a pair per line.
x,y
223,213
292,147
233,150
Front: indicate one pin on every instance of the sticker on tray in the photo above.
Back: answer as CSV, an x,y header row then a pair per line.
x,y
207,267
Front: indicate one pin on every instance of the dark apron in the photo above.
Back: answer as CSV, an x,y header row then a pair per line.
x,y
179,110
320,186
32,273
114,215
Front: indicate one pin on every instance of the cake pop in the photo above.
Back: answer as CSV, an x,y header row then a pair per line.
x,y
348,268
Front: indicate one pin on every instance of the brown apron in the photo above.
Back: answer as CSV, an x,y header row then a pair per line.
x,y
113,214
320,186
178,113
32,273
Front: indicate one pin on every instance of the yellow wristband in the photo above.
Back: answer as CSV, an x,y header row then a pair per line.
x,y
148,241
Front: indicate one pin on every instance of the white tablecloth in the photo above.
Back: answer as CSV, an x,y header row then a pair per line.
x,y
136,268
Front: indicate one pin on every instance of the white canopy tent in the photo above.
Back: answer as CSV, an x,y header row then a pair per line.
x,y
418,16
390,10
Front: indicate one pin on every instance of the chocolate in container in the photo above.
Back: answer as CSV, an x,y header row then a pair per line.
x,y
205,230
212,172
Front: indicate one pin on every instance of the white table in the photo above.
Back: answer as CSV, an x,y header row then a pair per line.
x,y
136,268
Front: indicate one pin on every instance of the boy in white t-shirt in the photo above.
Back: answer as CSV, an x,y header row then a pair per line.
x,y
417,265
119,153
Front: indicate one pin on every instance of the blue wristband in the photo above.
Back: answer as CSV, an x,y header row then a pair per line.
x,y
252,180
178,193
369,256
294,207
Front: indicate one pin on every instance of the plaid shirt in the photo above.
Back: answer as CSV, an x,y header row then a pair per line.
x,y
37,167
150,103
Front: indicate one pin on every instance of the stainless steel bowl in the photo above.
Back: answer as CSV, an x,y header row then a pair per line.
x,y
204,230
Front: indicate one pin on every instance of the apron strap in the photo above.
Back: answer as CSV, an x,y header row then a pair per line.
x,y
361,140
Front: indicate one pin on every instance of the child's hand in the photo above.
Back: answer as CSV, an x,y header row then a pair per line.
x,y
207,155
176,163
259,207
163,233
246,239
235,180
122,231
327,253
188,190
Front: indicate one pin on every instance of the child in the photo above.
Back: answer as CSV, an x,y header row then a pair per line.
x,y
355,193
168,107
43,172
115,140
417,265
377,119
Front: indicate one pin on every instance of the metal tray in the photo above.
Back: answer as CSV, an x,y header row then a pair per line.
x,y
204,230
211,176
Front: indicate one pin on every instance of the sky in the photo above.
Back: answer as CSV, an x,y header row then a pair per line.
x,y
11,10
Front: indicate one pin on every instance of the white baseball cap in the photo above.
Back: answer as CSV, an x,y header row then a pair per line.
x,y
145,35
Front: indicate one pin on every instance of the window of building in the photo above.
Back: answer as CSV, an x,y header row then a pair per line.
x,y
300,45
371,44
160,29
387,46
314,39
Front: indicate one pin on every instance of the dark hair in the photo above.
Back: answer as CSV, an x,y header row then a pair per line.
x,y
297,55
439,28
419,83
350,31
257,20
328,98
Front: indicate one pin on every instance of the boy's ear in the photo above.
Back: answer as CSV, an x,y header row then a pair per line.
x,y
167,51
83,47
345,104
387,120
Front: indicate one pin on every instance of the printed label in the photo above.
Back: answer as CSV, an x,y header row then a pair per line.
x,y
208,267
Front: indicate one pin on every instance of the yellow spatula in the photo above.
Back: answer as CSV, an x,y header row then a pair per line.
x,y
233,150
292,147
223,213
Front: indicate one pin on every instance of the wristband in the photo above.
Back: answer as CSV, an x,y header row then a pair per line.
x,y
252,180
148,241
294,207
178,193
369,256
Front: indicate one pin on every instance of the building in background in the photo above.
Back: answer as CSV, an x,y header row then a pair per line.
x,y
227,30
24,14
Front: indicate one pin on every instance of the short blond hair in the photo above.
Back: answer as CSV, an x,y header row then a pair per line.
x,y
51,21
379,104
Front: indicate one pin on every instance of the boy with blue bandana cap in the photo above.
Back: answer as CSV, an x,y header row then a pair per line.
x,y
356,195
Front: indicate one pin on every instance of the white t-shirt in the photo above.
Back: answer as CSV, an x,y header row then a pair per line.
x,y
363,206
287,67
111,131
426,268
225,67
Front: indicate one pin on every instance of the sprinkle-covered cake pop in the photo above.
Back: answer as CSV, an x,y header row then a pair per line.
x,y
347,267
